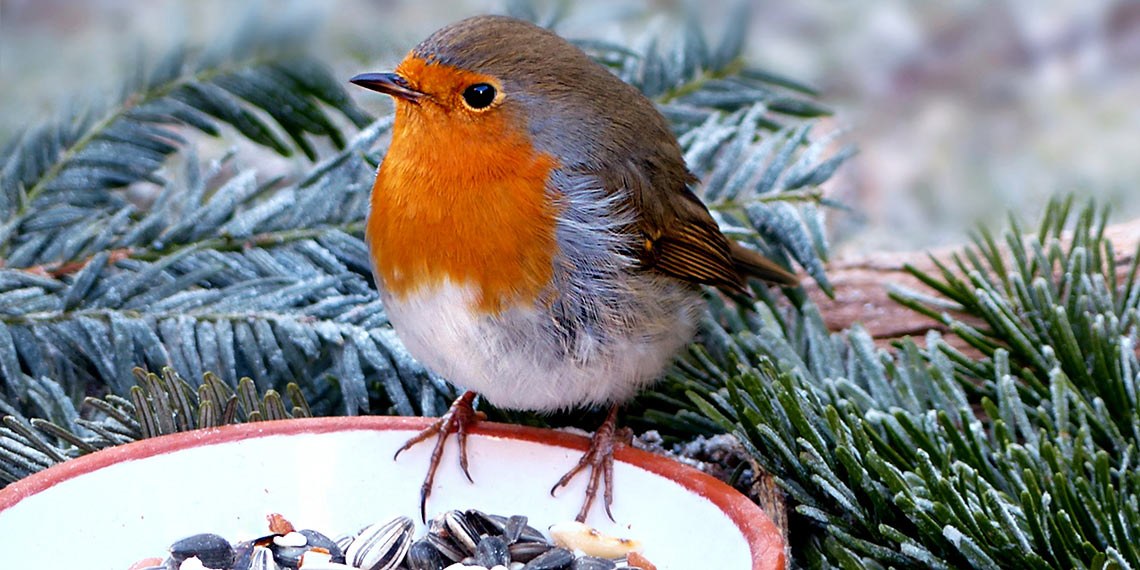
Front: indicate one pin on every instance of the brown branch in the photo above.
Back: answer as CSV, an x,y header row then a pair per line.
x,y
861,288
62,269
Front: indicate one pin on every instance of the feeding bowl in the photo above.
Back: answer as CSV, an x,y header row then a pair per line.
x,y
106,510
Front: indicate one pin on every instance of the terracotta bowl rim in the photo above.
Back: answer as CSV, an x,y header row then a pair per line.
x,y
764,540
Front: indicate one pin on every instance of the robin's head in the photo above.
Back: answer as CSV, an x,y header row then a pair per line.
x,y
490,74
490,113
486,109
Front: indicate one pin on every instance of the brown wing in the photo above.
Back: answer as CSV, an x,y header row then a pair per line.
x,y
681,238
693,251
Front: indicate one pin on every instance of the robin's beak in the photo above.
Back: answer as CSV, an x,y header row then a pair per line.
x,y
388,83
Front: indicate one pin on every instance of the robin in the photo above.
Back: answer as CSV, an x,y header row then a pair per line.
x,y
533,233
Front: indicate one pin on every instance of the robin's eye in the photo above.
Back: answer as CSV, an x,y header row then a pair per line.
x,y
479,96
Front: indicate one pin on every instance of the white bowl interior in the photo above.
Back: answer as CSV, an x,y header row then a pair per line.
x,y
338,482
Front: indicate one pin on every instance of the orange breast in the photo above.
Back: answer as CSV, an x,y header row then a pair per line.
x,y
462,198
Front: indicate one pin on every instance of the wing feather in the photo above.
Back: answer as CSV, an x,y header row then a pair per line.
x,y
678,235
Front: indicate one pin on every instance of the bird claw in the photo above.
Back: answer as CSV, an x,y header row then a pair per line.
x,y
600,459
458,418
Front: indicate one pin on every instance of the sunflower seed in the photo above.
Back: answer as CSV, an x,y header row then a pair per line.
x,y
485,523
381,546
553,559
343,541
525,551
424,556
212,550
318,540
514,529
461,531
262,559
447,548
593,563
492,551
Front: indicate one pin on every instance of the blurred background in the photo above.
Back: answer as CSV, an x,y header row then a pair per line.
x,y
961,109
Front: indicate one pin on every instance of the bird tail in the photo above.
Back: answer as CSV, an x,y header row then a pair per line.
x,y
752,264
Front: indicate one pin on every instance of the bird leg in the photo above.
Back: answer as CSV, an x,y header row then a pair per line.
x,y
458,418
600,459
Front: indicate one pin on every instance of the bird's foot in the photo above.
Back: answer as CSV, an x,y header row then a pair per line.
x,y
460,416
600,459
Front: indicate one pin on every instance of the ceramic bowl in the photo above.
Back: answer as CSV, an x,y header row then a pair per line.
x,y
109,509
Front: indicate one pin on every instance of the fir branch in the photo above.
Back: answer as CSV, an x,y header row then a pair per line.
x,y
1052,301
159,405
63,170
696,80
275,297
909,459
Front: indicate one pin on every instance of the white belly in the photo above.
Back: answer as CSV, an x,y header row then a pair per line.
x,y
517,360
